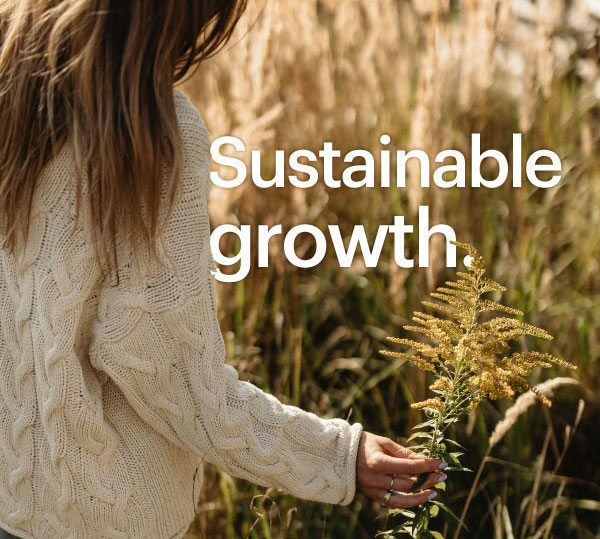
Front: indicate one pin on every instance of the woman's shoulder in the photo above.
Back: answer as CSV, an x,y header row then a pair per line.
x,y
186,112
193,130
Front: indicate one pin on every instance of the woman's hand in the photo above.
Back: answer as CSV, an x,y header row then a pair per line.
x,y
379,457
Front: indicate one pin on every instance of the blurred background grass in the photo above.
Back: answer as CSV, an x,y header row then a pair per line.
x,y
428,73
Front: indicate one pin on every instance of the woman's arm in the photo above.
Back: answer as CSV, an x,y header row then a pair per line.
x,y
157,336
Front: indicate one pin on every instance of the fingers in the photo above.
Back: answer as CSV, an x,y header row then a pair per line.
x,y
401,501
397,450
406,466
402,484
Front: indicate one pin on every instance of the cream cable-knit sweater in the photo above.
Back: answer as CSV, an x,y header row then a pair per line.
x,y
112,396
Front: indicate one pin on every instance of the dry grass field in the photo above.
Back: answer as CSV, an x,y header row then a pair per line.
x,y
428,73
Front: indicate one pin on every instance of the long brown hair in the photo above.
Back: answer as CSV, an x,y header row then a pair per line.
x,y
100,73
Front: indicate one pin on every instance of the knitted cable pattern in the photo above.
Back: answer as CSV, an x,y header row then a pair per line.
x,y
111,396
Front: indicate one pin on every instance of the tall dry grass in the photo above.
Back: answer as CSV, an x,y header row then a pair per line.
x,y
428,73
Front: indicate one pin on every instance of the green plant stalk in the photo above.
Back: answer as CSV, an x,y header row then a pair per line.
x,y
449,411
432,449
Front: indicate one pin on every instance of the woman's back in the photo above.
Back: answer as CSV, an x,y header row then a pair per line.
x,y
77,460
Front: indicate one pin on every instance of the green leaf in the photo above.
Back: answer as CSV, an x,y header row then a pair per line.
x,y
433,511
440,486
457,469
437,535
405,528
421,478
416,435
404,512
455,443
422,521
429,423
446,509
450,458
390,533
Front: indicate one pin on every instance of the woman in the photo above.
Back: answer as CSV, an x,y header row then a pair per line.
x,y
113,385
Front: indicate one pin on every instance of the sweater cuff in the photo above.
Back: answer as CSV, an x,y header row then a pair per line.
x,y
356,430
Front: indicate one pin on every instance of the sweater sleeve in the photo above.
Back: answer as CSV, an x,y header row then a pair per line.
x,y
158,338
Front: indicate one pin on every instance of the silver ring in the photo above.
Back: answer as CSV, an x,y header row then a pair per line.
x,y
386,498
392,482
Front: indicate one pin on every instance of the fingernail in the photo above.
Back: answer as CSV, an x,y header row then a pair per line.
x,y
443,465
441,478
432,495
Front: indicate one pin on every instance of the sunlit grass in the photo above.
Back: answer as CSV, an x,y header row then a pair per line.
x,y
312,336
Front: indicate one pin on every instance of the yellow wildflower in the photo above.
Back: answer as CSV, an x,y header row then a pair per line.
x,y
435,403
